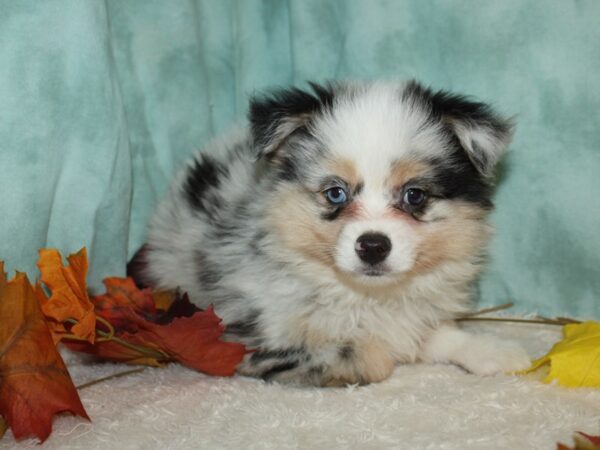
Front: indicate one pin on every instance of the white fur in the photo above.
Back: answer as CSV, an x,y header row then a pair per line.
x,y
479,354
481,141
374,130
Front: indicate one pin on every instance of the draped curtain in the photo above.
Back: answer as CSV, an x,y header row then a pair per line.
x,y
102,101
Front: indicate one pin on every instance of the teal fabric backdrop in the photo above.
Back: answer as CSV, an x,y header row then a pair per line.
x,y
100,102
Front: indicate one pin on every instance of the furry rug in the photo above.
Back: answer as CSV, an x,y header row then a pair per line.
x,y
419,407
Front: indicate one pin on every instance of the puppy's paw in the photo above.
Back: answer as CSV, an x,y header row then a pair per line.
x,y
484,355
479,354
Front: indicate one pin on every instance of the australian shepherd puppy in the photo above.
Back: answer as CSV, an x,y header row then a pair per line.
x,y
341,233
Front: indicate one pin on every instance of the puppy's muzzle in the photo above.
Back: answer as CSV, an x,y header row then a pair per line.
x,y
373,248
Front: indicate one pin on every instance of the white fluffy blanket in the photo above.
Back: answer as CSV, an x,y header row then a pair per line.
x,y
419,407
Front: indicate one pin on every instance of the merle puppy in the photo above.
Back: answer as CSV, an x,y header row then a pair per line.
x,y
340,233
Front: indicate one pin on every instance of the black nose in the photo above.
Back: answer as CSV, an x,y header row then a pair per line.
x,y
373,248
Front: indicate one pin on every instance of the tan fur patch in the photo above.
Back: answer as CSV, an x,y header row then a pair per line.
x,y
346,170
373,360
405,170
460,235
388,290
370,361
300,227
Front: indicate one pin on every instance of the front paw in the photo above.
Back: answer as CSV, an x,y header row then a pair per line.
x,y
485,355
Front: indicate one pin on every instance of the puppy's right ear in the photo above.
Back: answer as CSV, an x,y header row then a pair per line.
x,y
275,117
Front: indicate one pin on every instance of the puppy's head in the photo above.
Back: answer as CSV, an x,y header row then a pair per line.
x,y
378,183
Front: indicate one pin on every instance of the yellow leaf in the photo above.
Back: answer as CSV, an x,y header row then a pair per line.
x,y
574,361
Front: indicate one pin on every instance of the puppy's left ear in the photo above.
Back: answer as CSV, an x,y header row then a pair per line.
x,y
275,117
482,133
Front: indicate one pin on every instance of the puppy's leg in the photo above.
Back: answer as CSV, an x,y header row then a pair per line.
x,y
479,354
332,364
281,364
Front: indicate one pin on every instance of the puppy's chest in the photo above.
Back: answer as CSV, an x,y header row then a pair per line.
x,y
338,319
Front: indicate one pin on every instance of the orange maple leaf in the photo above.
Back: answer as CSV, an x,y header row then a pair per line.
x,y
69,299
34,382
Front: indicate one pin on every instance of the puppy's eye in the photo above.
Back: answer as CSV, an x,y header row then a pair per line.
x,y
414,197
336,195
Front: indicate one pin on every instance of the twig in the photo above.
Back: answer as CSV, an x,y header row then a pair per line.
x,y
159,355
110,377
488,310
540,321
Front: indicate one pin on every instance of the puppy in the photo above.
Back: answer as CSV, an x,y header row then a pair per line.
x,y
341,233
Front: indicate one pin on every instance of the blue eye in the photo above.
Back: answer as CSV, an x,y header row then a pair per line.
x,y
336,195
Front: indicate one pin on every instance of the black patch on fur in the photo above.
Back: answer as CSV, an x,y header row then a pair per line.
x,y
277,369
255,243
459,107
346,352
268,114
358,189
333,214
263,355
244,328
444,106
455,177
204,174
226,232
287,169
208,274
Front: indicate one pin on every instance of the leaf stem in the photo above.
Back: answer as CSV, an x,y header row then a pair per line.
x,y
108,325
146,351
110,377
109,335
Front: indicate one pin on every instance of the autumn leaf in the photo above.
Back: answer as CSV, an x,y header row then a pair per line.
x,y
34,382
143,334
163,299
121,297
574,361
57,329
582,442
3,427
69,299
593,439
194,342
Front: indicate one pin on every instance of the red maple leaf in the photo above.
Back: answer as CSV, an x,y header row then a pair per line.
x,y
144,334
583,441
